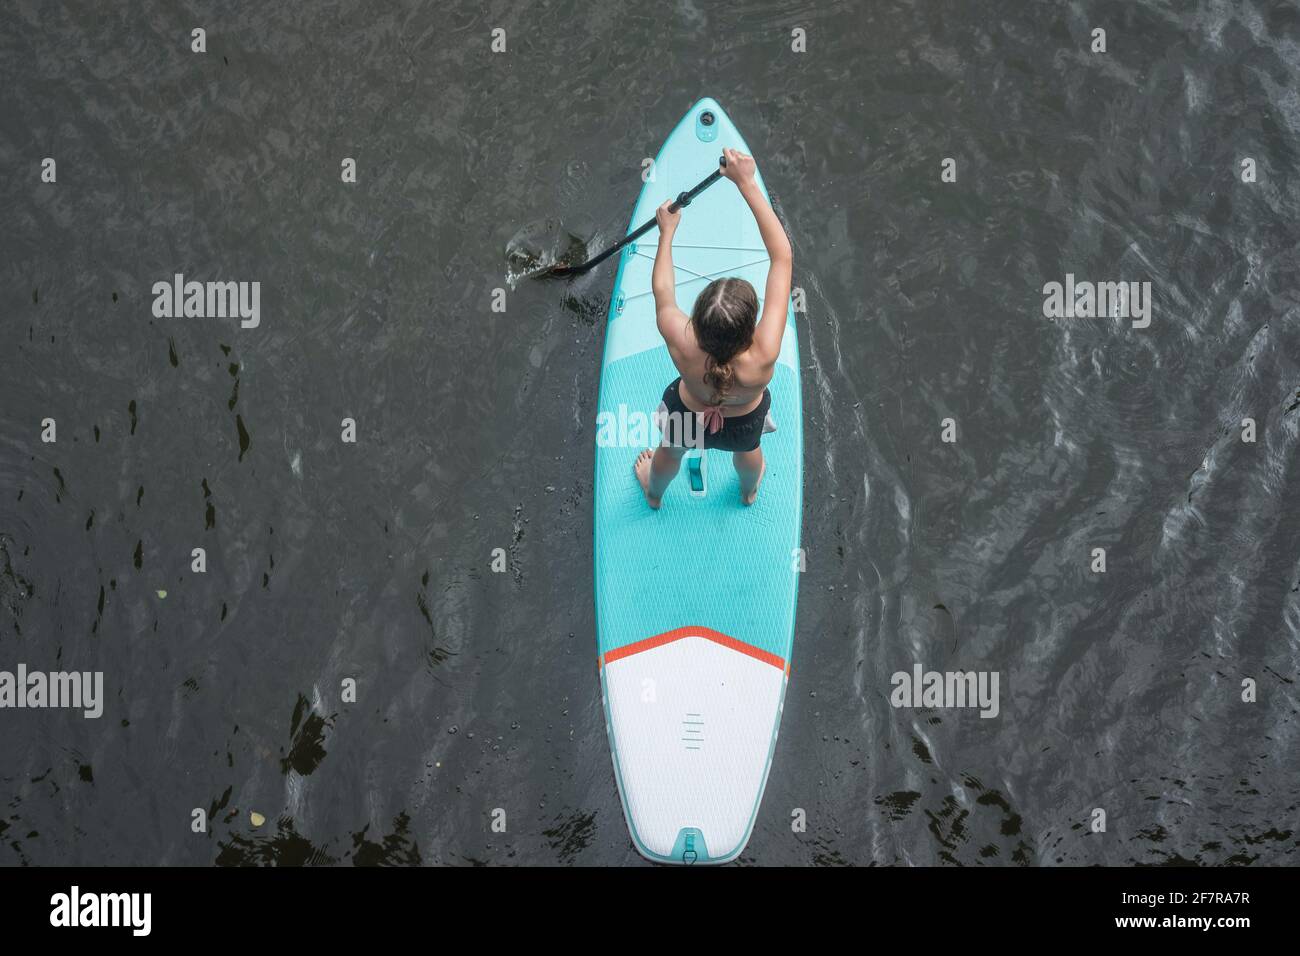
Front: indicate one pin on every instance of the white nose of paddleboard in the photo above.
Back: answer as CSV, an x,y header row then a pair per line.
x,y
696,732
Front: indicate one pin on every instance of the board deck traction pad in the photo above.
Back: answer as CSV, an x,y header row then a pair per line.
x,y
695,602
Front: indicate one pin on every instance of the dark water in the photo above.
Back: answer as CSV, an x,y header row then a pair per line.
x,y
371,561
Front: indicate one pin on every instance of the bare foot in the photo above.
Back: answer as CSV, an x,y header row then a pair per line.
x,y
750,498
642,469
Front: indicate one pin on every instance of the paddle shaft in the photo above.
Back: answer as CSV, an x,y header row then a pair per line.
x,y
683,199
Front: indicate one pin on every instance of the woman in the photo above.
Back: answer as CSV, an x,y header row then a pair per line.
x,y
725,355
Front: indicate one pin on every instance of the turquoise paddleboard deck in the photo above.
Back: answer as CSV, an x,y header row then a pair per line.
x,y
695,602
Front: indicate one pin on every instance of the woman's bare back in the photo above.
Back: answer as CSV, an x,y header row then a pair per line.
x,y
750,377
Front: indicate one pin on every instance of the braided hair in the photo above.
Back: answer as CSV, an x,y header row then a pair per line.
x,y
724,317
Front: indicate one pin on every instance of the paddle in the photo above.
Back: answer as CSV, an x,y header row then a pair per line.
x,y
683,199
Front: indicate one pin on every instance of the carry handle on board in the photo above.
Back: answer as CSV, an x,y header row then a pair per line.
x,y
697,473
683,199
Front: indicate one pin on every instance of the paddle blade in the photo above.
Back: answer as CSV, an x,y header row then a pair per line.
x,y
541,249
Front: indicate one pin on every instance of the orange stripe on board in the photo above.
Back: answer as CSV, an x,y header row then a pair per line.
x,y
677,633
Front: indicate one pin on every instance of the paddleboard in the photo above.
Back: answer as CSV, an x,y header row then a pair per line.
x,y
695,602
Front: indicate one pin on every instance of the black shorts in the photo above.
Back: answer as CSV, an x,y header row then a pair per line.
x,y
682,427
